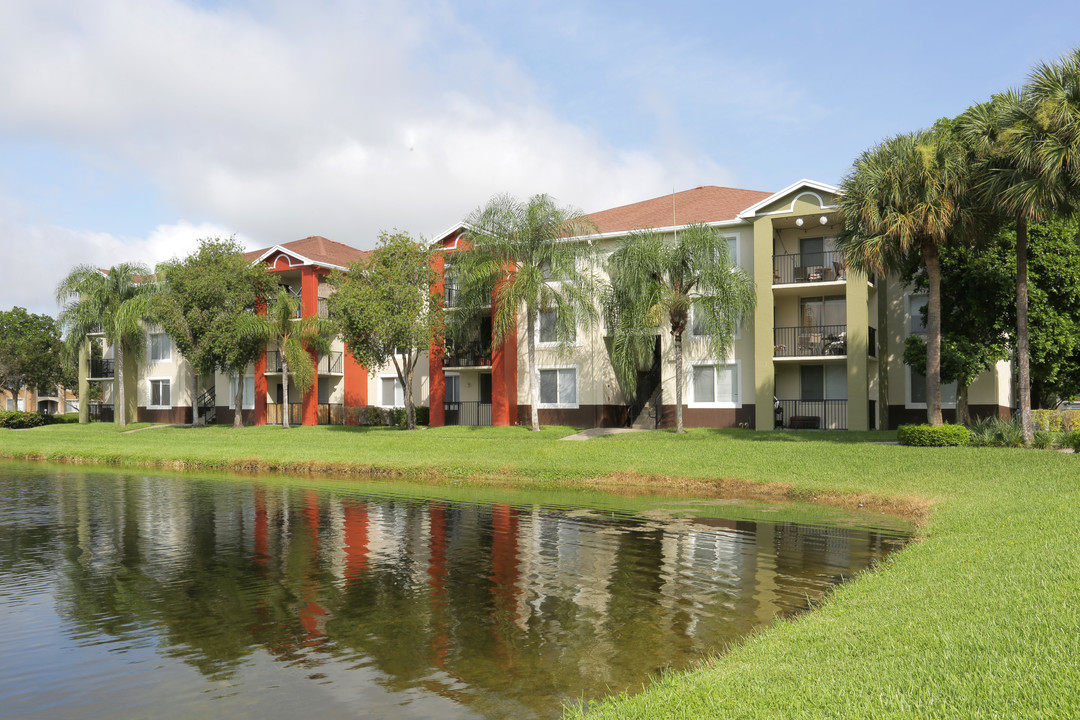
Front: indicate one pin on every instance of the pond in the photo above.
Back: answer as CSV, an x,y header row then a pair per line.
x,y
168,596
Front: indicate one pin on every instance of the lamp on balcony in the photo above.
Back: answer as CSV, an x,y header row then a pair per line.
x,y
798,222
823,220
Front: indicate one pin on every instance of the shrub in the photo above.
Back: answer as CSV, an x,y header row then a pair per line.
x,y
18,420
933,436
1055,420
374,416
995,432
1044,440
1072,439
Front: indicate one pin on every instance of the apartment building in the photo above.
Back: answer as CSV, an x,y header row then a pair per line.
x,y
823,350
159,388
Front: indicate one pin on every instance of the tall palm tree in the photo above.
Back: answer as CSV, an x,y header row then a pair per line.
x,y
655,281
1028,145
529,257
907,195
117,300
294,337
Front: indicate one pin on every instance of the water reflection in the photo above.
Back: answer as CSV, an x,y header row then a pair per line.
x,y
415,606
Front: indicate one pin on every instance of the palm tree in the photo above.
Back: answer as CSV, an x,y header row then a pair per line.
x,y
294,337
908,195
117,300
528,256
1028,145
654,281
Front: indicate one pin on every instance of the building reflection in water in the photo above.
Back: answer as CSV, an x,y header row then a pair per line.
x,y
510,610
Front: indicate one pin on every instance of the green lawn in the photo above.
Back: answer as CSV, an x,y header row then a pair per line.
x,y
980,618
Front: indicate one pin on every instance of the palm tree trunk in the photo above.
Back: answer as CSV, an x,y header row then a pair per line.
x,y
238,399
284,391
933,334
534,372
195,397
119,401
1023,357
678,381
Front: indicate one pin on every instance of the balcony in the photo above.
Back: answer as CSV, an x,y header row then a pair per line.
x,y
802,268
331,364
467,413
471,356
812,414
810,341
102,369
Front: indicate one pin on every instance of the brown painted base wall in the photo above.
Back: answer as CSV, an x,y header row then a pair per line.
x,y
616,416
225,416
900,415
176,415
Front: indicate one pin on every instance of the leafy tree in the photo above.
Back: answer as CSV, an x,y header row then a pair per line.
x,y
119,302
908,194
30,351
295,338
206,306
655,281
519,255
385,310
1029,165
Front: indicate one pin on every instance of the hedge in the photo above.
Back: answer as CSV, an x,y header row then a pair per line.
x,y
933,436
383,417
19,420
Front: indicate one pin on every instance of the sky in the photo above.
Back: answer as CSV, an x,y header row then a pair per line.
x,y
129,129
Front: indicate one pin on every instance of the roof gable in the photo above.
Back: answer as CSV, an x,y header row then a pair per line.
x,y
314,250
807,195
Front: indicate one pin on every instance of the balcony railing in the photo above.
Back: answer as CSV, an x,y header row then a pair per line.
x,y
101,368
812,414
324,308
467,413
810,341
101,412
275,412
273,361
469,357
826,266
450,296
331,364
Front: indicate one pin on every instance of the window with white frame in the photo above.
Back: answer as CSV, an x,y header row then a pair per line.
x,y
917,391
247,400
714,384
391,392
453,388
733,249
160,347
160,394
547,333
697,323
558,387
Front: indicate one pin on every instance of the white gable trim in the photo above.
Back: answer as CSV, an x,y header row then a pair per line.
x,y
811,187
293,255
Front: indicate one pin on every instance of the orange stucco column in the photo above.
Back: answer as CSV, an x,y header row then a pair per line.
x,y
309,295
436,376
356,386
260,389
504,381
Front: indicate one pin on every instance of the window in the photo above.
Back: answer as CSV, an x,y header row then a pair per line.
x,y
160,347
714,385
391,392
822,382
450,287
917,391
160,394
916,303
697,324
733,250
247,401
453,388
547,333
558,387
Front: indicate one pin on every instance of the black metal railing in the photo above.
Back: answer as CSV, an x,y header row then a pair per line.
x,y
450,294
812,267
810,341
331,364
872,348
101,368
467,413
275,413
812,414
101,412
273,361
324,308
469,357
207,403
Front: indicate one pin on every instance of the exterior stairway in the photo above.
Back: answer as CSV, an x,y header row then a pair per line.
x,y
649,417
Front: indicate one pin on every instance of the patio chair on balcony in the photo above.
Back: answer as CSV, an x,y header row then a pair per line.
x,y
800,274
839,268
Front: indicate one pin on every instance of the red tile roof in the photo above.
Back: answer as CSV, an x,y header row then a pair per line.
x,y
705,203
318,249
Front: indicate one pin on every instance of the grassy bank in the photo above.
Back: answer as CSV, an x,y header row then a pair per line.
x,y
979,619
